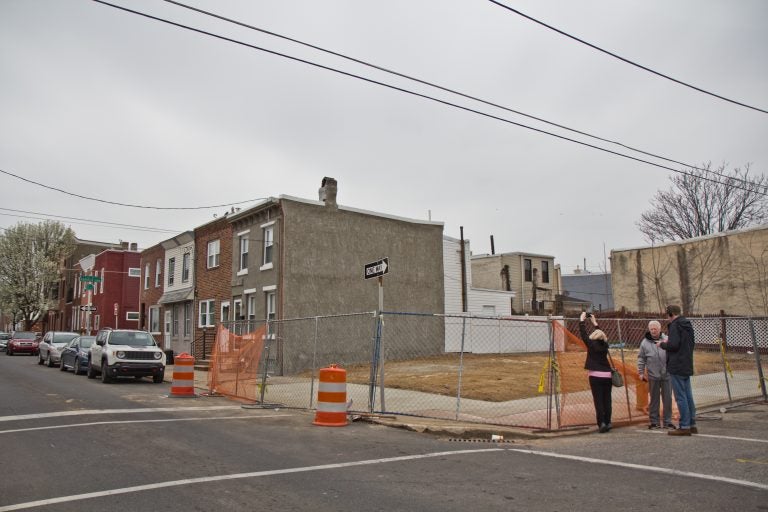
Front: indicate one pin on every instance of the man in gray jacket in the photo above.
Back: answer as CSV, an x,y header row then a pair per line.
x,y
653,360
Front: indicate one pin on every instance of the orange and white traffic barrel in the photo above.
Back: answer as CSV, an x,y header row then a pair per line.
x,y
183,385
332,398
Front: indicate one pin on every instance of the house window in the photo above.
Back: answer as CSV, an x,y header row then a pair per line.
x,y
134,272
527,268
238,310
96,322
158,272
132,316
171,270
154,319
206,313
187,318
175,325
103,278
214,249
489,310
251,307
268,244
544,271
225,311
243,252
270,306
146,276
185,267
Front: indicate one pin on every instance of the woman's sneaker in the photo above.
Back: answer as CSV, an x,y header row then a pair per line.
x,y
653,426
670,426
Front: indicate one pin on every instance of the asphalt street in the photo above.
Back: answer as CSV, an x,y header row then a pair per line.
x,y
69,443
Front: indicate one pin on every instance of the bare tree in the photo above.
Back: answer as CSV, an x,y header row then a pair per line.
x,y
29,267
703,202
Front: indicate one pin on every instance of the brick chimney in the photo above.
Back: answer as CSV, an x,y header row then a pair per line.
x,y
134,246
328,192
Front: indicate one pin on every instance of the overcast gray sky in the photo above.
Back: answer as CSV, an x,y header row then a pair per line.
x,y
107,104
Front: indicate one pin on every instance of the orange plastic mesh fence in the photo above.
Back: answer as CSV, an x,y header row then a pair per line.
x,y
571,383
234,369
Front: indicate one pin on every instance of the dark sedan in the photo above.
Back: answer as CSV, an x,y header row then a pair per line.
x,y
23,342
75,355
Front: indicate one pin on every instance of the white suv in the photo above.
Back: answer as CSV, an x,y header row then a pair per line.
x,y
125,352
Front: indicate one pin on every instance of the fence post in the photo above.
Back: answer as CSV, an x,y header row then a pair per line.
x,y
314,368
267,345
461,367
757,357
550,373
624,366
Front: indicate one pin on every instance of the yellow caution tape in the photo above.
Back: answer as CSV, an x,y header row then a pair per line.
x,y
725,359
543,376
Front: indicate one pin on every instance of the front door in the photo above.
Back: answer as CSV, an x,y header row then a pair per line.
x,y
167,329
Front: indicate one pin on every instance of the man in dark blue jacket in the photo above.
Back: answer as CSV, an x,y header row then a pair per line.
x,y
679,347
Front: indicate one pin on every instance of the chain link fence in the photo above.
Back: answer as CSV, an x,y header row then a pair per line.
x,y
517,371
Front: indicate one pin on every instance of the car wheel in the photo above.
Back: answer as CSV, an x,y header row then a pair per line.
x,y
104,375
40,358
8,352
91,372
49,361
77,367
158,379
61,365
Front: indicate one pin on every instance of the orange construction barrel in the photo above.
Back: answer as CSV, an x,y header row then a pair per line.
x,y
183,385
332,398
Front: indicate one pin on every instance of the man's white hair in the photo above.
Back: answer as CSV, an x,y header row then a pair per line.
x,y
654,322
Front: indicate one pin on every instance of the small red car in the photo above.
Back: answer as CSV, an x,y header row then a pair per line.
x,y
23,342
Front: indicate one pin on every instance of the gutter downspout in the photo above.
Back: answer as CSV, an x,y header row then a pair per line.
x,y
522,285
463,272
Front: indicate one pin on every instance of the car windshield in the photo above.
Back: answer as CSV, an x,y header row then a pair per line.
x,y
134,339
86,342
63,337
25,336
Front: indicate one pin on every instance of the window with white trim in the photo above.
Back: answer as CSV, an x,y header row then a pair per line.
x,y
225,311
134,272
146,276
268,235
238,310
243,244
251,307
171,270
187,318
206,318
103,278
132,316
158,273
214,251
185,259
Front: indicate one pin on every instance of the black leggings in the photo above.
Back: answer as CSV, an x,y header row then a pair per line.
x,y
601,394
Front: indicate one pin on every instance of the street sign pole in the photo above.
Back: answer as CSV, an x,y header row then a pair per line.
x,y
381,351
88,313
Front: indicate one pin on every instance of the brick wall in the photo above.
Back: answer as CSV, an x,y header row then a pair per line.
x,y
150,295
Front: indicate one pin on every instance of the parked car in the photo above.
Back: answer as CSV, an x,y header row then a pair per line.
x,y
125,352
49,349
75,355
4,336
22,342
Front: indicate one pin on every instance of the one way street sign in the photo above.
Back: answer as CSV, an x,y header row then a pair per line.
x,y
376,268
87,308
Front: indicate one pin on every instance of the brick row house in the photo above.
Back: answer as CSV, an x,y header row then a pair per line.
x,y
62,317
112,300
291,257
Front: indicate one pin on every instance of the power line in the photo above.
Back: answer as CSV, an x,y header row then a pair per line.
x,y
140,228
128,204
443,88
77,223
632,63
406,91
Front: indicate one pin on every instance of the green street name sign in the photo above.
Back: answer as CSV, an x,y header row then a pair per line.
x,y
90,279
